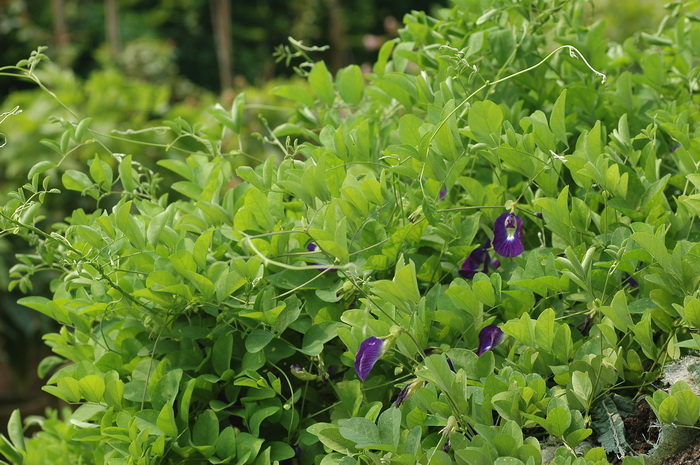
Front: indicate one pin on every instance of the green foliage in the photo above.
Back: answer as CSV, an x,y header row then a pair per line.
x,y
219,322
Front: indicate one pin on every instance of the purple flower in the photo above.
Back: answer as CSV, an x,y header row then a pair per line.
x,y
407,392
443,193
630,280
508,235
489,337
478,260
675,147
311,247
370,350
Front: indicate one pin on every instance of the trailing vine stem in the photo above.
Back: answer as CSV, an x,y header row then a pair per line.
x,y
573,52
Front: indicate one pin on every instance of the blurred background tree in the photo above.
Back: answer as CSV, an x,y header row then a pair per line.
x,y
214,43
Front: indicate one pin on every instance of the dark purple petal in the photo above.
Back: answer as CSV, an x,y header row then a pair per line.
x,y
489,337
367,356
446,446
473,263
630,280
478,260
675,147
508,235
586,325
443,193
402,396
311,247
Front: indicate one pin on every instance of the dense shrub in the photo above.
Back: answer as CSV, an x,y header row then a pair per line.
x,y
483,244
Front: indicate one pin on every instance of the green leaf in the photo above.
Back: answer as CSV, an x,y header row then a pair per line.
x,y
558,421
557,120
389,426
582,387
101,173
9,451
545,329
688,407
317,336
166,389
92,388
350,84
201,249
321,83
206,429
166,421
655,246
221,352
75,180
330,436
40,167
483,289
81,129
258,340
15,431
126,174
380,65
258,416
618,312
668,410
296,93
237,108
363,432
226,443
485,119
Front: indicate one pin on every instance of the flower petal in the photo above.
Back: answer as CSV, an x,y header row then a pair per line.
x,y
508,235
489,337
370,351
478,260
473,264
443,193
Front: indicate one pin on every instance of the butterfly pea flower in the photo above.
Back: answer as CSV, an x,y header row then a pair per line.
x,y
508,235
478,260
407,392
489,337
370,351
443,193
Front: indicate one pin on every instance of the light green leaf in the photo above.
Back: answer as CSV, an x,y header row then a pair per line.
x,y
350,84
166,420
558,421
75,180
15,430
206,429
668,410
557,120
485,120
92,388
321,83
